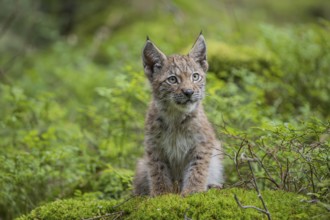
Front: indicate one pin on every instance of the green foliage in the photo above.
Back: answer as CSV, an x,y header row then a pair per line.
x,y
73,99
215,204
276,123
286,75
303,59
47,155
224,58
110,183
288,157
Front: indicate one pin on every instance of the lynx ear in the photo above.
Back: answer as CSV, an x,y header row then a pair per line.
x,y
198,52
153,59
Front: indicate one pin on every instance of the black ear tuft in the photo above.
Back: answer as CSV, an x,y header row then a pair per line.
x,y
198,52
152,58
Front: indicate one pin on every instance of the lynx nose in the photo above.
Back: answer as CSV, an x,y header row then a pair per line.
x,y
188,92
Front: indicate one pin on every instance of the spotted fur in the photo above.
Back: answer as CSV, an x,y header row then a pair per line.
x,y
182,154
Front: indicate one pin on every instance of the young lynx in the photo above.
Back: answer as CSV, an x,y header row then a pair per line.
x,y
182,154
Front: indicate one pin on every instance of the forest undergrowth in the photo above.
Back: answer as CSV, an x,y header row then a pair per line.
x,y
73,101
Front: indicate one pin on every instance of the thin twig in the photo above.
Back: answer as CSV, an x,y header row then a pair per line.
x,y
259,194
114,213
256,186
106,215
185,215
312,179
286,175
236,159
249,206
273,155
123,202
265,210
260,162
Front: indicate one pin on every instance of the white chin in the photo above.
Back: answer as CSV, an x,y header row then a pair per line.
x,y
189,107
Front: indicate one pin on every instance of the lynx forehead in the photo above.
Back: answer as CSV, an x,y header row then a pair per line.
x,y
181,64
182,154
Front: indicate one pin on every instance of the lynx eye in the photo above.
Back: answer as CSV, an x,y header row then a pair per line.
x,y
196,77
172,80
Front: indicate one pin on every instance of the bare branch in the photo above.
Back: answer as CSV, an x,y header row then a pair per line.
x,y
236,159
257,188
185,215
267,173
114,214
123,202
249,206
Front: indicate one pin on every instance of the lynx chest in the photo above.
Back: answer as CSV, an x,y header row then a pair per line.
x,y
177,142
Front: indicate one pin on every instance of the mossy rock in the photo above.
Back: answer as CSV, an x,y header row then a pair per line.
x,y
214,204
223,58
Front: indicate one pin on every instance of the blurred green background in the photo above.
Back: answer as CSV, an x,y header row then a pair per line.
x,y
73,95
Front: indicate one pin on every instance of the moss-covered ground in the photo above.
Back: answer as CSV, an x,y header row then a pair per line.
x,y
214,204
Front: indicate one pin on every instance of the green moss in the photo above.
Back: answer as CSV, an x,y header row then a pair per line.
x,y
71,209
223,58
214,204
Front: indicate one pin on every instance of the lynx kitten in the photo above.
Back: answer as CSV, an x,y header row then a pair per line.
x,y
182,154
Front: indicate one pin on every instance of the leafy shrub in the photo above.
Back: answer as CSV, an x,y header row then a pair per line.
x,y
225,58
110,183
287,157
303,63
49,150
263,112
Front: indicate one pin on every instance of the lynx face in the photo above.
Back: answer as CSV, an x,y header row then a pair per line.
x,y
180,83
177,81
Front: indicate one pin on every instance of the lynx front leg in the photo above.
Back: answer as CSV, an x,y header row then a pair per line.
x,y
160,179
195,179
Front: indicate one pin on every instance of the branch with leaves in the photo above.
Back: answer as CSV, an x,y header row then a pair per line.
x,y
265,210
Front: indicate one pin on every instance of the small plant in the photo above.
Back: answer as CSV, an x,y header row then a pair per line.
x,y
286,158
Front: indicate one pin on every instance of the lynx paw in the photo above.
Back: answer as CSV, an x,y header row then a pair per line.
x,y
154,194
159,191
215,186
